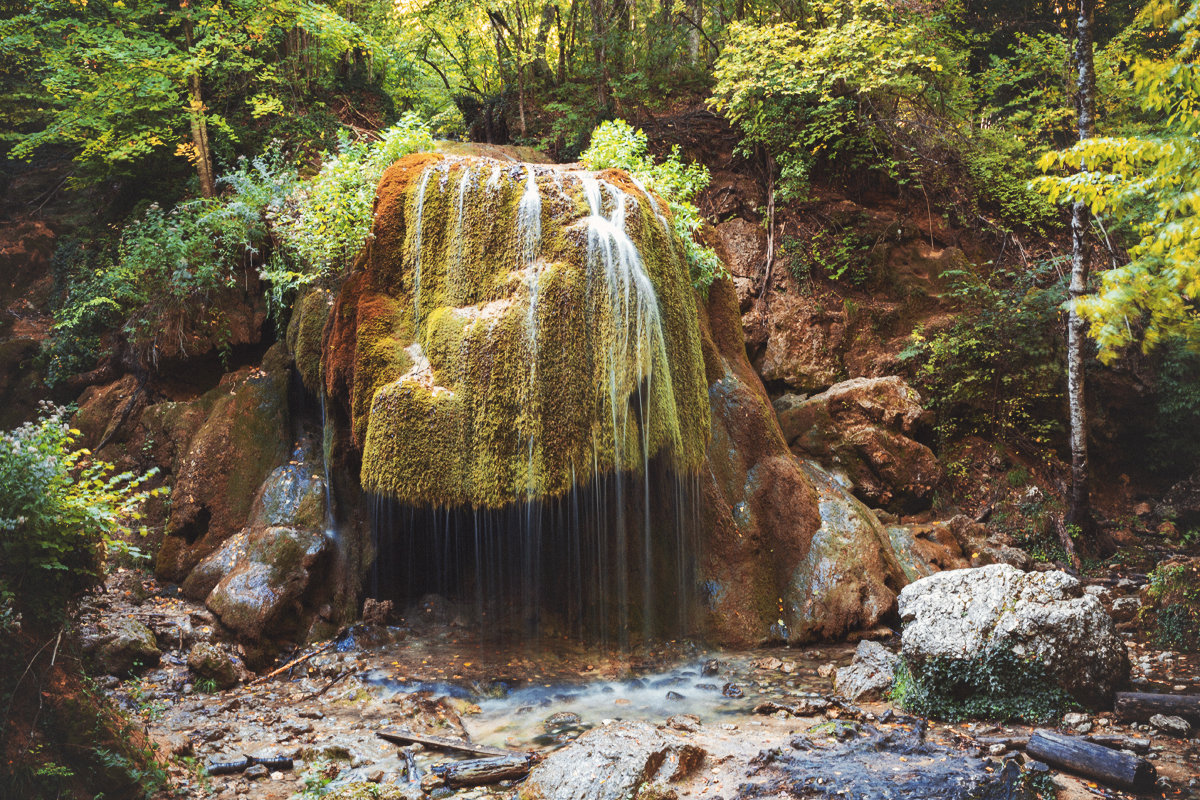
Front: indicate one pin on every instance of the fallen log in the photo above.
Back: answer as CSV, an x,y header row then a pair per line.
x,y
1142,706
1017,742
1095,761
438,743
1120,742
483,771
245,762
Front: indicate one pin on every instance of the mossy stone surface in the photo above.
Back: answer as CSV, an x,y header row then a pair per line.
x,y
479,377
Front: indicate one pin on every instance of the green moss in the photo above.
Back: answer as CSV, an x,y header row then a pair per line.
x,y
305,333
487,381
995,685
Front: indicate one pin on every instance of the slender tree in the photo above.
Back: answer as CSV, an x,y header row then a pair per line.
x,y
1079,513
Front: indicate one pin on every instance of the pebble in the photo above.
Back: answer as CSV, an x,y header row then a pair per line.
x,y
256,772
1175,726
825,670
276,776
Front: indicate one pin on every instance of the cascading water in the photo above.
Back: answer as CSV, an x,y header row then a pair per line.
x,y
532,426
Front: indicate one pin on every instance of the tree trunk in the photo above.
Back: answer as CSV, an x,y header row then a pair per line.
x,y
696,14
204,166
1080,514
599,33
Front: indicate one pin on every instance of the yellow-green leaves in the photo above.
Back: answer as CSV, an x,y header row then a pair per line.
x,y
1152,183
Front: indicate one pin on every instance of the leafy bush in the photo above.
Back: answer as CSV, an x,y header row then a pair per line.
x,y
61,513
326,220
995,685
617,145
996,369
1175,592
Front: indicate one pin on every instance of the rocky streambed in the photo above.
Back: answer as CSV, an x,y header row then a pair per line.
x,y
675,721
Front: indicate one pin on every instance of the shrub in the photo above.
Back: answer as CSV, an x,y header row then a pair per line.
x,y
618,145
61,513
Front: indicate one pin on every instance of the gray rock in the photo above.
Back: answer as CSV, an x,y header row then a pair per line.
x,y
1175,726
1125,608
125,646
209,661
869,675
1035,615
612,762
688,723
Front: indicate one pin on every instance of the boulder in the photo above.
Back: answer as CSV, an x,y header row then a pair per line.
x,y
1040,616
849,576
207,660
615,762
272,569
125,646
244,436
864,428
1182,503
869,675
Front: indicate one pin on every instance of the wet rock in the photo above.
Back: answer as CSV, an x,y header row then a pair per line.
x,y
124,646
869,675
257,772
896,765
864,428
689,723
711,667
209,661
377,612
563,719
732,690
1045,616
273,568
673,695
1174,726
612,763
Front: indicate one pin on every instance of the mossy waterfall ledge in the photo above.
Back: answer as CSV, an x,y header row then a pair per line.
x,y
518,355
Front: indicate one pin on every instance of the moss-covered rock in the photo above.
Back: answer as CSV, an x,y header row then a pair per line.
x,y
501,341
244,436
273,568
305,335
207,660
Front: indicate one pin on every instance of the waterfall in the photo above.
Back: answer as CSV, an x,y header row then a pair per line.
x,y
528,448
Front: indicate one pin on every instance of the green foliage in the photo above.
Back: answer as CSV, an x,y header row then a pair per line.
x,y
841,256
1174,436
164,267
323,222
116,72
1148,182
832,87
1174,589
61,513
617,145
994,685
207,686
996,369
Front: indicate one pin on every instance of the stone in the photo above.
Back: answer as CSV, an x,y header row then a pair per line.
x,y
1182,503
1125,609
209,661
273,568
124,647
257,772
868,763
865,428
1174,726
869,675
217,478
689,723
1045,616
612,763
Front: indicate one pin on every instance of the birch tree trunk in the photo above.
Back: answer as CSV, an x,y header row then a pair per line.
x,y
1080,513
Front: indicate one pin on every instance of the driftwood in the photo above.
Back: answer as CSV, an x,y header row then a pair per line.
x,y
328,686
1017,742
438,743
1103,764
483,771
245,762
1141,707
293,663
1120,742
